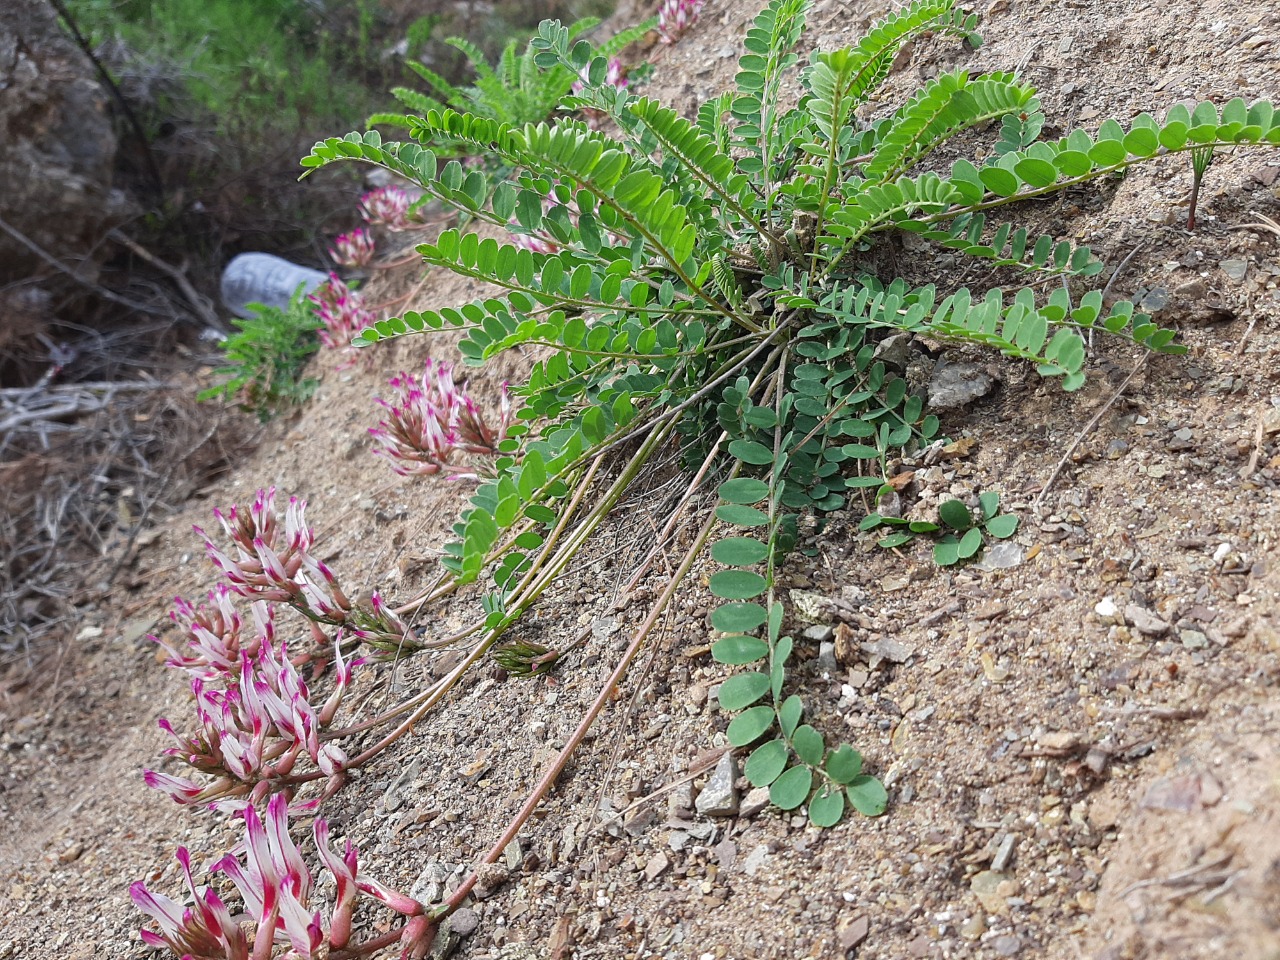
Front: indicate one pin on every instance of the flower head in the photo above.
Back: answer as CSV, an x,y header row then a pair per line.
x,y
354,249
677,16
216,634
387,207
271,560
341,310
430,419
253,731
203,931
276,886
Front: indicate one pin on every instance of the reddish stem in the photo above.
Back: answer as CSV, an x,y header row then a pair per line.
x,y
606,693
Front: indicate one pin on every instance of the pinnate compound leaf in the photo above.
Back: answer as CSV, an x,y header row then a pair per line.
x,y
868,796
750,725
737,584
741,691
738,617
792,788
739,551
737,650
844,763
808,745
827,807
743,490
766,762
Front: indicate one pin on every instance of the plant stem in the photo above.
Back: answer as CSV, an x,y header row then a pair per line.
x,y
553,772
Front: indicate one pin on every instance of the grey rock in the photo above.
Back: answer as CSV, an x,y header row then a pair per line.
x,y
464,922
818,633
755,860
57,155
955,385
754,802
1004,853
893,351
726,851
680,801
1235,269
658,864
1144,621
1193,639
826,659
1157,298
1007,945
719,798
430,886
1195,302
886,648
1001,556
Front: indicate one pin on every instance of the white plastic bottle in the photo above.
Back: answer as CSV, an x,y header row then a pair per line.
x,y
266,279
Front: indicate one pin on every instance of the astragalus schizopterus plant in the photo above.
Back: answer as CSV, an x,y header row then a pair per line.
x,y
709,280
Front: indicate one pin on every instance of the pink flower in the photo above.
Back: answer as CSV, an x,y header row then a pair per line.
x,y
388,207
431,419
273,562
354,249
182,790
342,312
276,887
204,930
677,16
215,634
253,733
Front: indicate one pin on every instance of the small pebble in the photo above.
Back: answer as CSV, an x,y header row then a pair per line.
x,y
719,798
656,866
1007,946
754,802
1234,269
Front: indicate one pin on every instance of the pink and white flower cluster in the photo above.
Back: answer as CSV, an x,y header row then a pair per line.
x,y
254,725
354,249
341,310
677,16
276,887
216,635
388,207
254,714
272,559
430,419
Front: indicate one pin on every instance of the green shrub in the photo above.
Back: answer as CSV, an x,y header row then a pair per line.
x,y
515,90
265,357
251,64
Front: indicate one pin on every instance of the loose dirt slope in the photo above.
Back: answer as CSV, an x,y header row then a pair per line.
x,y
1081,748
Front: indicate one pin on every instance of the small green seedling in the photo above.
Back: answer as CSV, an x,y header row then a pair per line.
x,y
959,532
